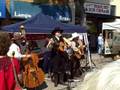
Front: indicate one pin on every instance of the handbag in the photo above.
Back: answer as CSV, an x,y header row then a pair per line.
x,y
17,86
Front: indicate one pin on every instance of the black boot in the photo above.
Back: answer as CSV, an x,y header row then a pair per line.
x,y
55,79
61,78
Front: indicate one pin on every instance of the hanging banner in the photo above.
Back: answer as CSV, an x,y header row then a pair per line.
x,y
2,8
97,8
22,9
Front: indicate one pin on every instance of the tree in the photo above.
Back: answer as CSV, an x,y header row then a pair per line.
x,y
81,12
77,9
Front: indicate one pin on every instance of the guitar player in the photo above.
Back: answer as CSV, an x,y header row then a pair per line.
x,y
76,55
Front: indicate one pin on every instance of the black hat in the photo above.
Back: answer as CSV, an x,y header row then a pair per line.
x,y
57,29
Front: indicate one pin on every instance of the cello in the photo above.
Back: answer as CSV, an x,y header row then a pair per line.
x,y
33,76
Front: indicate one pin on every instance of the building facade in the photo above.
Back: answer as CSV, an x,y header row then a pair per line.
x,y
18,10
97,12
117,4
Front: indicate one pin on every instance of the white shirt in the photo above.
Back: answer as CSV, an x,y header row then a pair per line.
x,y
100,40
14,48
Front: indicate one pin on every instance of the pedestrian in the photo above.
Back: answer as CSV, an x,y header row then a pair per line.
x,y
100,43
7,81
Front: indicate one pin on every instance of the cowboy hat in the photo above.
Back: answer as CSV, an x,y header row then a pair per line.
x,y
74,35
22,27
57,29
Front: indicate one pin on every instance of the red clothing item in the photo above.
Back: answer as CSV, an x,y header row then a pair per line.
x,y
7,81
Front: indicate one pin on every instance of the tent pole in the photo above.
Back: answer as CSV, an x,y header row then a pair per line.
x,y
90,61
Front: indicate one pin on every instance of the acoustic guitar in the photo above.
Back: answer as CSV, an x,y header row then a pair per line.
x,y
33,76
78,54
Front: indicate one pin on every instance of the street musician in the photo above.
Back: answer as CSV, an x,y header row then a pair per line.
x,y
59,57
76,54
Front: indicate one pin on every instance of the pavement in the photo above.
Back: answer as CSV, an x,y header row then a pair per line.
x,y
98,60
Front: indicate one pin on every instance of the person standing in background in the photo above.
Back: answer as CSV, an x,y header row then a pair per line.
x,y
100,43
22,31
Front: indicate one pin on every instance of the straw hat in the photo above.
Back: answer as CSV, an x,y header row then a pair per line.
x,y
22,27
67,41
74,35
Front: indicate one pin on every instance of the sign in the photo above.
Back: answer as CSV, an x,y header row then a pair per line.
x,y
97,8
22,9
2,8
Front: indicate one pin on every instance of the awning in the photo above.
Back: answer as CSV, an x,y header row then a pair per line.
x,y
112,26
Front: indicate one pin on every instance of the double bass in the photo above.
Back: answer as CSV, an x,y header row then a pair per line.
x,y
33,76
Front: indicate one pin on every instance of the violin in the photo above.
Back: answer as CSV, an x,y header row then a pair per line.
x,y
33,76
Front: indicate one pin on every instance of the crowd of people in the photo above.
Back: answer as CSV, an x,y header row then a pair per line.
x,y
65,56
62,61
18,59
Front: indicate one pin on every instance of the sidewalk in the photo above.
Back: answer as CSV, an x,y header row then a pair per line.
x,y
72,86
99,61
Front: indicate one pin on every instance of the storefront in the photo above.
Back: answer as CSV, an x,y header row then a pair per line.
x,y
99,13
96,14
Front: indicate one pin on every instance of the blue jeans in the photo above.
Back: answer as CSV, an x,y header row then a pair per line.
x,y
100,49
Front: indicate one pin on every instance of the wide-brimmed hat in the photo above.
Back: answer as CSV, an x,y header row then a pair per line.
x,y
74,35
22,27
57,29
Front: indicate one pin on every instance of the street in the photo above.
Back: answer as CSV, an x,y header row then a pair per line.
x,y
99,61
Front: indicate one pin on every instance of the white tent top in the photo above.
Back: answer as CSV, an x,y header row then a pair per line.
x,y
112,26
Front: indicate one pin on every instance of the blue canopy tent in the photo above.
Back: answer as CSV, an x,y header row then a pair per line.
x,y
43,24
